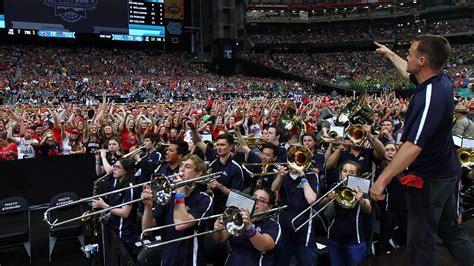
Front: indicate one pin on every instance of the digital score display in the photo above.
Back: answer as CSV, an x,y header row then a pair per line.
x,y
116,20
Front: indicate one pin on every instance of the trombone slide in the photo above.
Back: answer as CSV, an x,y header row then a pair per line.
x,y
312,205
256,217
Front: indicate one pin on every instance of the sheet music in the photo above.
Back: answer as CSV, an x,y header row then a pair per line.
x,y
467,143
457,140
339,130
362,183
240,201
320,246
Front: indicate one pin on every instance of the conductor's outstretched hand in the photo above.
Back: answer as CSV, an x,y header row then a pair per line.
x,y
382,49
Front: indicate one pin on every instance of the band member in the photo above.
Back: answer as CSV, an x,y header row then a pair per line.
x,y
297,190
232,178
105,159
221,159
393,210
274,136
256,246
174,154
346,244
150,162
318,161
187,204
429,153
388,129
122,219
363,156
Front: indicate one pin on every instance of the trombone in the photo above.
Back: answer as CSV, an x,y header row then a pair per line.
x,y
136,151
162,189
232,219
299,158
344,197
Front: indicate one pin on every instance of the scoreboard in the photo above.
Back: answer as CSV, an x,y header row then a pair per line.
x,y
115,20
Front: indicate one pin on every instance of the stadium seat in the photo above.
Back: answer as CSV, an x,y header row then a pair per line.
x,y
73,229
15,223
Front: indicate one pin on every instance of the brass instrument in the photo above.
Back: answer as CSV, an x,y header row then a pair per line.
x,y
333,134
357,134
299,158
232,219
466,156
290,119
344,197
259,182
93,222
209,190
358,111
161,187
336,141
376,129
253,142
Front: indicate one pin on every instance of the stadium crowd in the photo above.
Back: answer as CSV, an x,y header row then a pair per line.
x,y
363,70
32,77
406,30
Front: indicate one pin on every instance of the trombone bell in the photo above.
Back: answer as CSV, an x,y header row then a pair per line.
x,y
345,198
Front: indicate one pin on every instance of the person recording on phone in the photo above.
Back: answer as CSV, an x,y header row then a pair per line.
x,y
429,154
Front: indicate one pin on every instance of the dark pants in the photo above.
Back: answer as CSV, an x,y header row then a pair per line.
x,y
149,257
389,220
431,211
346,254
304,255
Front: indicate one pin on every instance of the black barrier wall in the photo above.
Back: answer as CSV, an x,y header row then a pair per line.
x,y
38,180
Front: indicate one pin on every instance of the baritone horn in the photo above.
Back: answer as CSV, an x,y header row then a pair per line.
x,y
232,220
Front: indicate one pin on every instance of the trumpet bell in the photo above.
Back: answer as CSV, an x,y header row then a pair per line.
x,y
345,197
466,156
233,221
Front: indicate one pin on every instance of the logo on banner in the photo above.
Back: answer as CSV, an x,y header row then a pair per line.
x,y
71,10
174,28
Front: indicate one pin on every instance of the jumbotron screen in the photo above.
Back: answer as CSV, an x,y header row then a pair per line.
x,y
121,20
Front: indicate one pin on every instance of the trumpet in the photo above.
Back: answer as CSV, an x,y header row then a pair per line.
x,y
466,156
161,186
232,219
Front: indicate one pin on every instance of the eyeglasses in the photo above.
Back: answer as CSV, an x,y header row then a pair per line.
x,y
260,201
